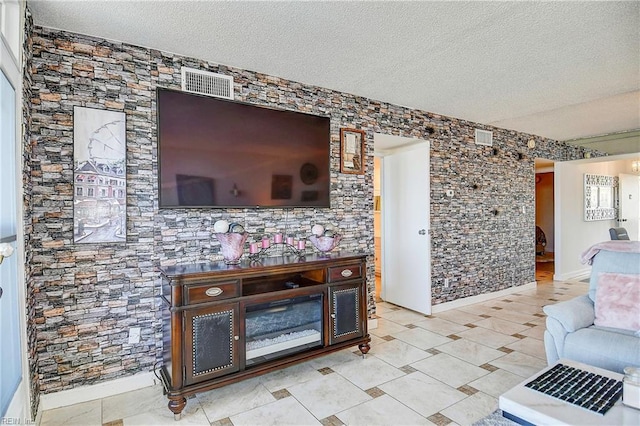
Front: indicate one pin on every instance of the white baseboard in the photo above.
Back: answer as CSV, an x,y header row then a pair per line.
x,y
573,275
18,410
63,398
481,298
372,323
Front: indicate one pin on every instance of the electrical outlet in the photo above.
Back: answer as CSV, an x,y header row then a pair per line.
x,y
446,283
134,335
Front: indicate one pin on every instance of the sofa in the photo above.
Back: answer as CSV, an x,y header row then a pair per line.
x,y
601,328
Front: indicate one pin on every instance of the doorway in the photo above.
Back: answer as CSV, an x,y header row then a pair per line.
x,y
405,258
545,230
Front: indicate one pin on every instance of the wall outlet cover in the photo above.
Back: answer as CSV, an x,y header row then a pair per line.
x,y
134,335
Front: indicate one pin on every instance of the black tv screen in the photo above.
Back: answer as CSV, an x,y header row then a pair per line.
x,y
219,153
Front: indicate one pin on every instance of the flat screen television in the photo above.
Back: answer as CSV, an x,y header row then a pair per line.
x,y
225,154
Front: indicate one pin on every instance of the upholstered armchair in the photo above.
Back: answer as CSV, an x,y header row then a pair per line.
x,y
601,328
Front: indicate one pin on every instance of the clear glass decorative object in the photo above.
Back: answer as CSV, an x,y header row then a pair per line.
x,y
631,387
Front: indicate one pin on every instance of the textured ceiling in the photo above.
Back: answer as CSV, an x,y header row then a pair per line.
x,y
562,70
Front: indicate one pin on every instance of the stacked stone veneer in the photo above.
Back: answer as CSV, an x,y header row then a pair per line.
x,y
88,296
28,226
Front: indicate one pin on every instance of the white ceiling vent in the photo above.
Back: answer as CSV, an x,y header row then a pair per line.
x,y
484,137
207,83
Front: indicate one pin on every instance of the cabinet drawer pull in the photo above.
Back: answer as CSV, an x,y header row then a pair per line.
x,y
236,337
346,273
213,291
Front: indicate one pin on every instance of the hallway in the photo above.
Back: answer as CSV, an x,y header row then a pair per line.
x,y
545,267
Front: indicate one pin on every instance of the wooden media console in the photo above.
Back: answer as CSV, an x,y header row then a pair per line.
x,y
225,323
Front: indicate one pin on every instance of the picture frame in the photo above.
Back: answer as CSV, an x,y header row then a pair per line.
x,y
600,197
352,151
99,176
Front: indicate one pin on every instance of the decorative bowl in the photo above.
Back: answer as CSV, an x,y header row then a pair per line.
x,y
325,244
232,246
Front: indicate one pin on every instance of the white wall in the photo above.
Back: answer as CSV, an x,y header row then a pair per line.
x,y
573,233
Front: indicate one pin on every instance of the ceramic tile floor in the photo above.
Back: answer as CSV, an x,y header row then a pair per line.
x,y
448,368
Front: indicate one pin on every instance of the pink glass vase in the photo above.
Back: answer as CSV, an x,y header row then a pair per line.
x,y
232,246
325,244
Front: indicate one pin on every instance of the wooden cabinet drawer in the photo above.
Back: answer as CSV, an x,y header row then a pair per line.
x,y
212,291
347,272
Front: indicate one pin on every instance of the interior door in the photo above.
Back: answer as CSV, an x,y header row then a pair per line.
x,y
629,196
11,365
406,257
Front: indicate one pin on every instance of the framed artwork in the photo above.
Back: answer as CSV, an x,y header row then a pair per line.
x,y
99,176
352,151
600,197
281,186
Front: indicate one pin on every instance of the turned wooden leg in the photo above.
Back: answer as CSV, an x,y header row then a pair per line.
x,y
364,348
176,405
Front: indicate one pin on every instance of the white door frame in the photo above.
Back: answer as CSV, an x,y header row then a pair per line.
x,y
387,207
629,213
12,27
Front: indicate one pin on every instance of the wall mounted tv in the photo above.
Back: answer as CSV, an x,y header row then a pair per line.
x,y
226,154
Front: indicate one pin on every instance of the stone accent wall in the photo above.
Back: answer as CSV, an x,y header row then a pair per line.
x,y
88,296
482,238
27,209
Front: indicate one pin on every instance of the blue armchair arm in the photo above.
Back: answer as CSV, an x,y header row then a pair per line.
x,y
563,318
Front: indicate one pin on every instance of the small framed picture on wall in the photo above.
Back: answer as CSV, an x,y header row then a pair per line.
x,y
352,151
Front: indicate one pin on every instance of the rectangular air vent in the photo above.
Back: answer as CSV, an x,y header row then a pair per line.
x,y
484,137
207,83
